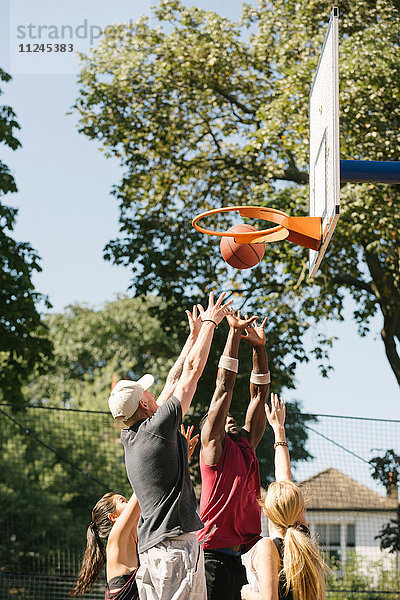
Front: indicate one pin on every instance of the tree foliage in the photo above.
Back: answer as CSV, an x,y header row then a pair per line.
x,y
24,346
90,346
203,112
386,469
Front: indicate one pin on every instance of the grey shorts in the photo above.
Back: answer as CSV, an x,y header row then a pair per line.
x,y
172,570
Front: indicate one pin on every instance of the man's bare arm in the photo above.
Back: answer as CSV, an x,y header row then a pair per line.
x,y
197,357
255,416
176,370
213,431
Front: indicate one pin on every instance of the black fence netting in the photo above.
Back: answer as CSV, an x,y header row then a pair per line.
x,y
56,463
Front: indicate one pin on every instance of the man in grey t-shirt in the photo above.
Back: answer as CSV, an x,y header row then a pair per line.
x,y
156,458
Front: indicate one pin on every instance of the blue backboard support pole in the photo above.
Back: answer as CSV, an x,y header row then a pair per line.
x,y
369,171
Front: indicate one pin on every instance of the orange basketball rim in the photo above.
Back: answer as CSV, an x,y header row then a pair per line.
x,y
304,231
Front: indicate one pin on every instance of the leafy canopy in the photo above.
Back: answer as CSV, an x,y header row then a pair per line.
x,y
24,346
122,338
203,112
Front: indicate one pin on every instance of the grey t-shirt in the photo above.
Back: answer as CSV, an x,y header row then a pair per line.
x,y
156,459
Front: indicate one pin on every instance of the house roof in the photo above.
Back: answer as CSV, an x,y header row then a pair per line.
x,y
333,490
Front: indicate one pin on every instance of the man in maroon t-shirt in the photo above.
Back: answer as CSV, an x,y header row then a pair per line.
x,y
229,468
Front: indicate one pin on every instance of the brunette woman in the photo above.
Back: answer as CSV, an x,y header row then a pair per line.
x,y
114,520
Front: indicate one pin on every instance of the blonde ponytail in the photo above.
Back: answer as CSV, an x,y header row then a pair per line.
x,y
303,568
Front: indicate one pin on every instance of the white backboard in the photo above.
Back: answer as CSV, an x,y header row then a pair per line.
x,y
324,141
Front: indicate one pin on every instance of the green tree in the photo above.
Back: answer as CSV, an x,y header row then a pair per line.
x,y
203,113
24,346
386,469
90,346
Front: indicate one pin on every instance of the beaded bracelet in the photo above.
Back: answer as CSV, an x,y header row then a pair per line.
x,y
280,444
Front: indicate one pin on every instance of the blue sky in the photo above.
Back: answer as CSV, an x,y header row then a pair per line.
x,y
67,213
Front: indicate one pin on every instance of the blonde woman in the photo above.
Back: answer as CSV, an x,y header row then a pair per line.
x,y
286,565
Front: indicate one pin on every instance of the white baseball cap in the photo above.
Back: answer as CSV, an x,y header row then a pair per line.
x,y
126,394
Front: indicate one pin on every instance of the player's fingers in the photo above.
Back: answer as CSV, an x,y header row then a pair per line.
x,y
226,305
251,320
201,309
219,301
263,324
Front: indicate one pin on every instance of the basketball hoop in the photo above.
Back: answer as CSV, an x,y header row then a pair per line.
x,y
304,231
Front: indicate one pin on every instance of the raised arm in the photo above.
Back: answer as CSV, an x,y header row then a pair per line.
x,y
259,383
125,525
276,418
176,371
213,430
196,359
121,546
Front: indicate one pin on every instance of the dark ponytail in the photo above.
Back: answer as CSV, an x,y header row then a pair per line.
x,y
95,555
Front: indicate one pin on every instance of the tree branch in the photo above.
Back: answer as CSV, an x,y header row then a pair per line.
x,y
291,174
217,88
390,347
216,142
353,282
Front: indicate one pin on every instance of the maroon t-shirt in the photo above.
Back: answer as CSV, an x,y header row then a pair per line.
x,y
230,490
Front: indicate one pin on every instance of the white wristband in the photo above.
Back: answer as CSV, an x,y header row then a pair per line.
x,y
228,363
260,378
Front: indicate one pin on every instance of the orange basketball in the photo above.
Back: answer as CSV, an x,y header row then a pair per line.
x,y
241,256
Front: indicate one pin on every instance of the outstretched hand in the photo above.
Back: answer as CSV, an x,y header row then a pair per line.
x,y
192,441
255,334
276,415
215,311
237,322
194,319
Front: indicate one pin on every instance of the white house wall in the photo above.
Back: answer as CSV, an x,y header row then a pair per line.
x,y
367,526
